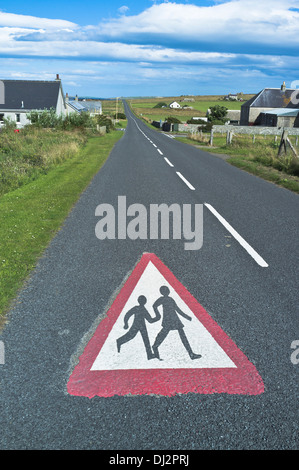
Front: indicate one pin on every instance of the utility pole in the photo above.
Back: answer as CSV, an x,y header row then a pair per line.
x,y
116,108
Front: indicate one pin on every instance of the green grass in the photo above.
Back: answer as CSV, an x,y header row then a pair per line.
x,y
34,151
31,215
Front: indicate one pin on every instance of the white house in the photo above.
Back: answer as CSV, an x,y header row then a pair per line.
x,y
174,105
231,97
19,97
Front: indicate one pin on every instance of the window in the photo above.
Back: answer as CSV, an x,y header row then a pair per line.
x,y
18,118
1,117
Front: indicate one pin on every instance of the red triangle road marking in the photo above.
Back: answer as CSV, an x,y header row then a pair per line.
x,y
108,368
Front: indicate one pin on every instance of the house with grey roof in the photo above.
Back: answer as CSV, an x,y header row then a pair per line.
x,y
272,107
94,107
19,97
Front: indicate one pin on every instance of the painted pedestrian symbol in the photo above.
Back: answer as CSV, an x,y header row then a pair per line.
x,y
155,317
140,314
170,321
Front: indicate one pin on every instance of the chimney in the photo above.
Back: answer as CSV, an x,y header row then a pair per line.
x,y
76,98
66,97
283,86
57,76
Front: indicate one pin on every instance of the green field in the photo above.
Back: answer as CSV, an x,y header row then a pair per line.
x,y
146,107
110,107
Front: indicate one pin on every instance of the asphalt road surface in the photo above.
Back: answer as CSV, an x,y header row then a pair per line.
x,y
245,275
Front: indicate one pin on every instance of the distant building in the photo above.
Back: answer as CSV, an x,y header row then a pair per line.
x,y
19,97
174,105
271,107
231,97
94,107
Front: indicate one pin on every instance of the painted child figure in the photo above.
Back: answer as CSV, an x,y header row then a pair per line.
x,y
141,315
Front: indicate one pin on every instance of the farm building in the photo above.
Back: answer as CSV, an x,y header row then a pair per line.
x,y
19,97
233,116
280,103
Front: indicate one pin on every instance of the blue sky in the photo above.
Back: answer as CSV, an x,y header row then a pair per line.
x,y
151,48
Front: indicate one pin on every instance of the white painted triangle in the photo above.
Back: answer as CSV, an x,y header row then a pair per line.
x,y
172,352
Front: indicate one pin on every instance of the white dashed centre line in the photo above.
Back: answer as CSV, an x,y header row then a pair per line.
x,y
167,161
185,181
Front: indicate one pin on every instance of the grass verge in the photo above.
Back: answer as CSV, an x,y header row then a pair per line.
x,y
259,158
31,215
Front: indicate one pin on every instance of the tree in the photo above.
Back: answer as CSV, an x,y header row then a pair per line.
x,y
161,104
217,113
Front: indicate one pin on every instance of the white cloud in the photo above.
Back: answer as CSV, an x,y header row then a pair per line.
x,y
231,40
102,50
249,21
122,10
32,22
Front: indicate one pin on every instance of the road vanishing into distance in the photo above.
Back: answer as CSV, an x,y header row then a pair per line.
x,y
244,275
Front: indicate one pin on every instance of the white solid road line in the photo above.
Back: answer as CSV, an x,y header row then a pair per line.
x,y
259,260
185,181
167,161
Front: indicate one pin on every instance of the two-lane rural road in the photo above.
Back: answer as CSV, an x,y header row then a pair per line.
x,y
245,277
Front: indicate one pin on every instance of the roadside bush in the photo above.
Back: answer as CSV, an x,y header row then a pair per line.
x,y
48,119
8,125
103,120
120,116
173,120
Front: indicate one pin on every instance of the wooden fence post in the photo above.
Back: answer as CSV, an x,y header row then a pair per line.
x,y
292,148
283,142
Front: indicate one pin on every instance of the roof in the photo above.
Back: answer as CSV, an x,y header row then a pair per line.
x,y
233,114
29,94
90,106
272,98
283,112
76,105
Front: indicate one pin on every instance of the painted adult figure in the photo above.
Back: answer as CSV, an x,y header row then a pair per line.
x,y
140,314
171,321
